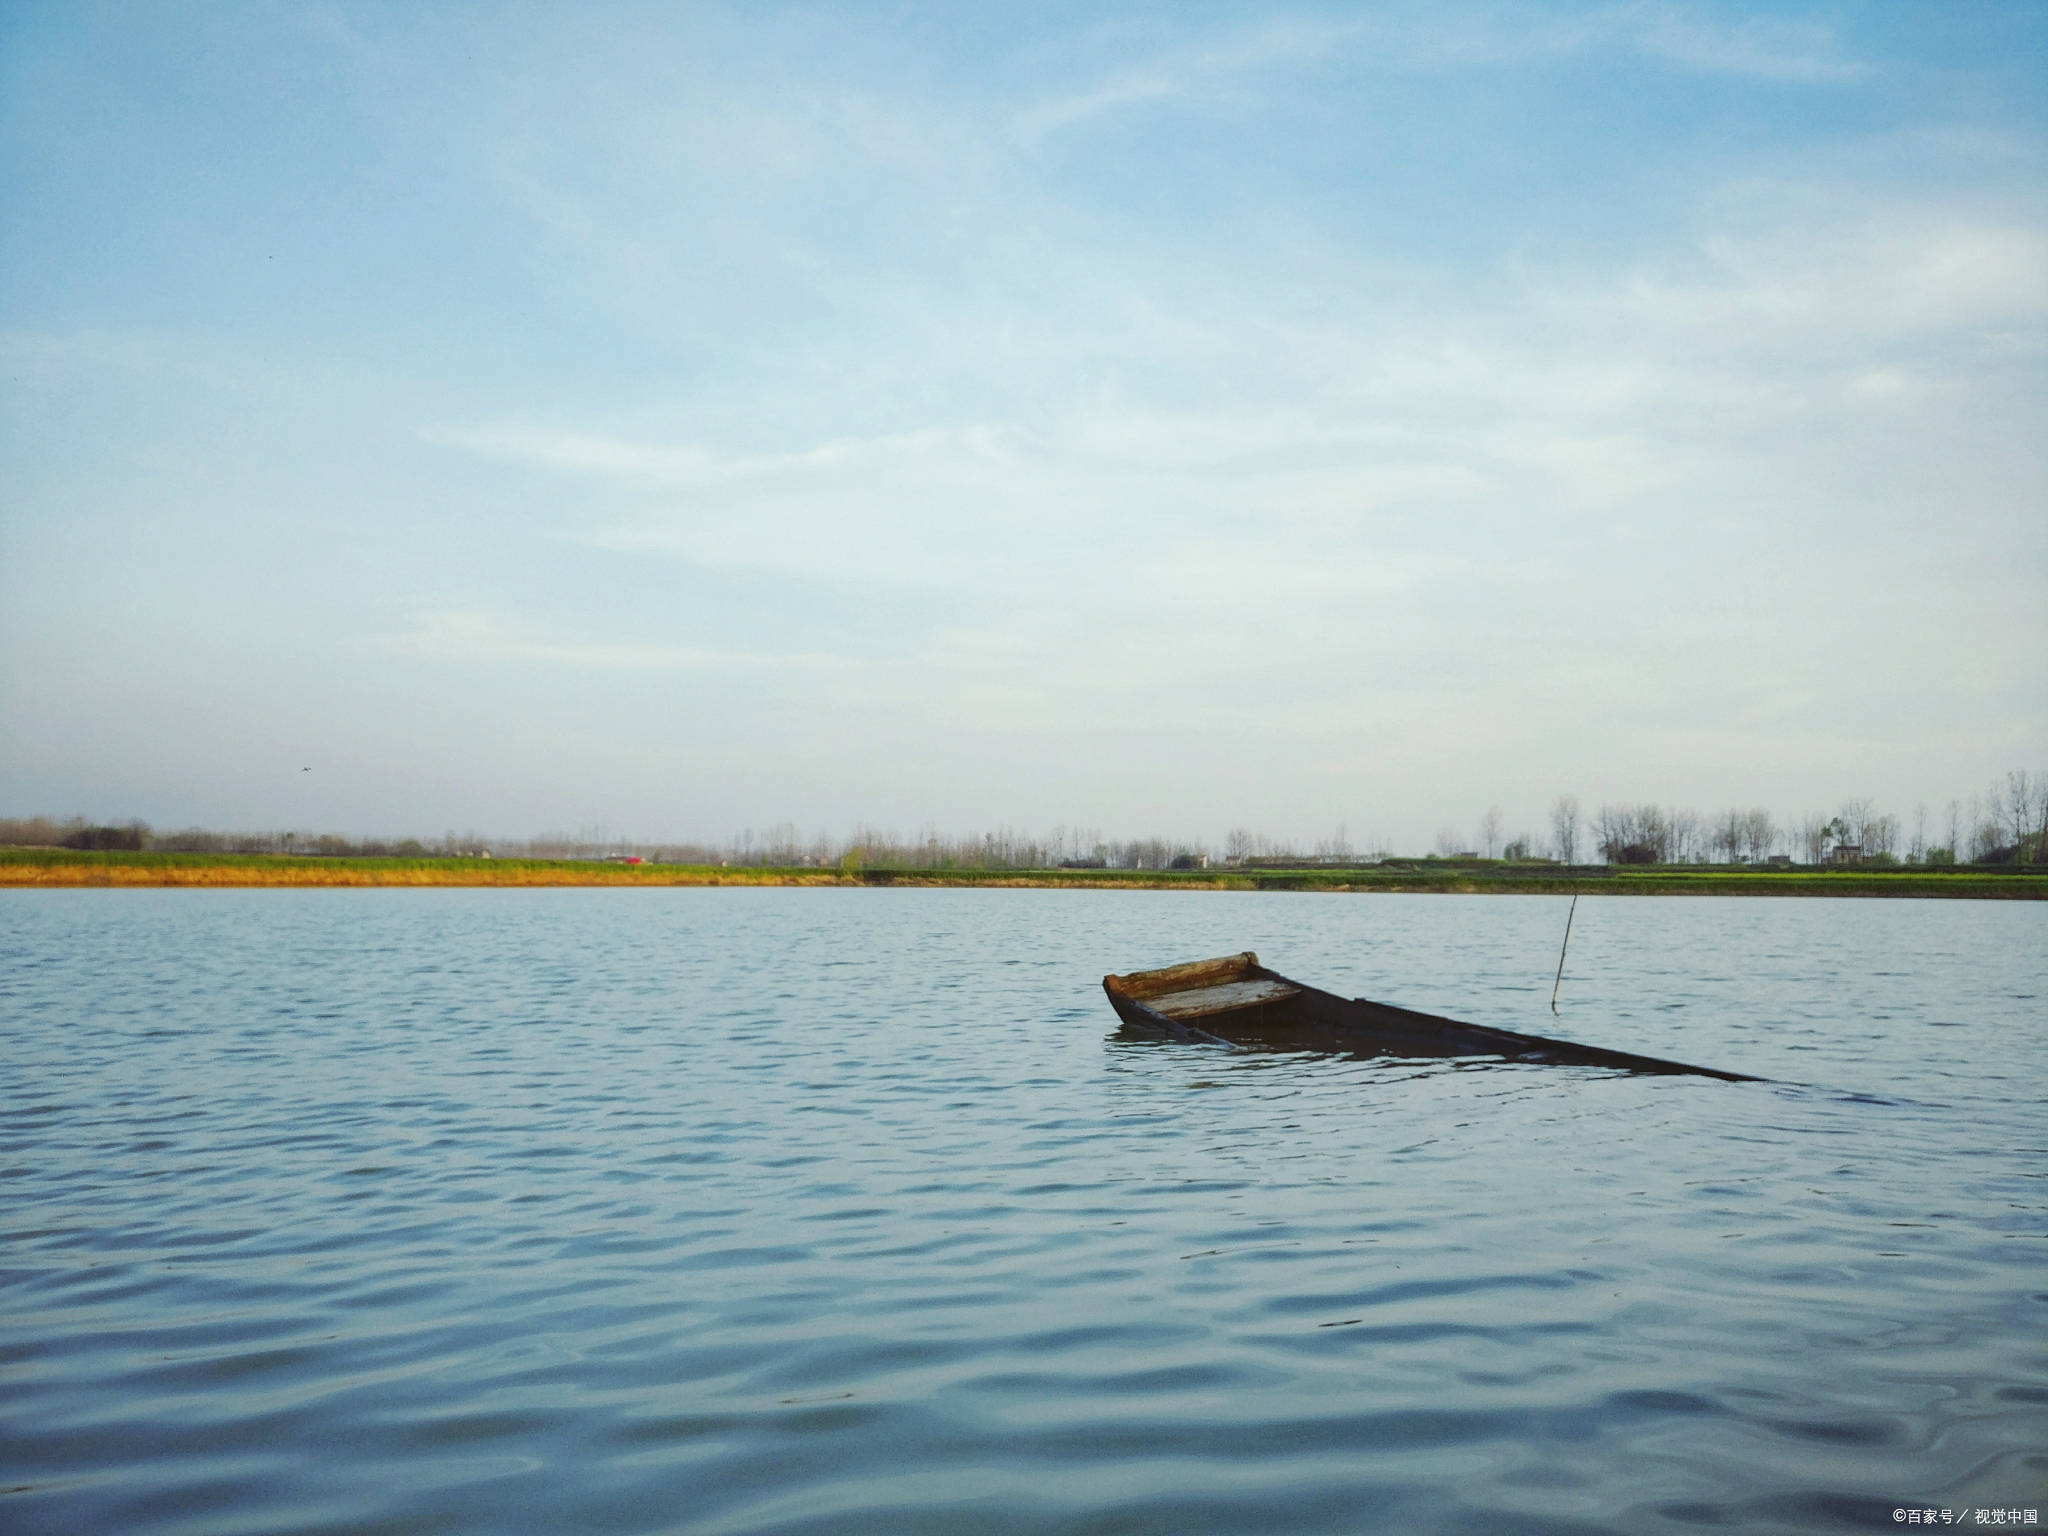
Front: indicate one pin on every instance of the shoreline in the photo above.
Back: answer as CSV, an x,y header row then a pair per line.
x,y
47,868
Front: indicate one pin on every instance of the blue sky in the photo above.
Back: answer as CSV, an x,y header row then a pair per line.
x,y
1157,419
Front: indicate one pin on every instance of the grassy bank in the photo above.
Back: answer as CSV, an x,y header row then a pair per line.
x,y
65,867
53,867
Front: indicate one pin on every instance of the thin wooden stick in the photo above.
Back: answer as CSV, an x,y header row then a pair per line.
x,y
1567,944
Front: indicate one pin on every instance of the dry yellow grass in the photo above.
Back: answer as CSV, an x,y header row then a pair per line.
x,y
332,873
51,868
18,872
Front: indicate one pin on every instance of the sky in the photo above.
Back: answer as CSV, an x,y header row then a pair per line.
x,y
684,418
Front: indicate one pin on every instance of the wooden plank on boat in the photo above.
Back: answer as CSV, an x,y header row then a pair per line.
x,y
1181,978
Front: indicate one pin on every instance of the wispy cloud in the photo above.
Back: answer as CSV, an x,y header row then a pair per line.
x,y
1084,499
1225,66
1689,36
1689,437
1765,47
1776,282
1217,68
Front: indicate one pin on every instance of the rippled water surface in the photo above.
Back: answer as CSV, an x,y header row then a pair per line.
x,y
787,1210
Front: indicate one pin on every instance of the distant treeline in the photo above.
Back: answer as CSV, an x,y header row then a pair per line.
x,y
2006,825
139,836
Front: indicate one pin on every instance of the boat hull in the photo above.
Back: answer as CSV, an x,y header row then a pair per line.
x,y
1235,1001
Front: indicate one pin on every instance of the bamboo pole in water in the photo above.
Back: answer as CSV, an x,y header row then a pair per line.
x,y
1567,944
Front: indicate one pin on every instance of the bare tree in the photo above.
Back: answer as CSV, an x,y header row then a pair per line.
x,y
1811,836
1634,834
1564,827
1982,831
1685,840
1855,817
784,845
1759,834
1611,832
1952,820
1489,830
2016,805
1661,825
1447,843
1656,831
1729,833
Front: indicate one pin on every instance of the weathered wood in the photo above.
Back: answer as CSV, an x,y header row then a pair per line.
x,y
1194,973
1201,1002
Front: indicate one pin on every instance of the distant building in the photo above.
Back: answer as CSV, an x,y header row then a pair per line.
x,y
1846,853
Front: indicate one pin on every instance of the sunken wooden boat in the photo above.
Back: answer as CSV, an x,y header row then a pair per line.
x,y
1236,1001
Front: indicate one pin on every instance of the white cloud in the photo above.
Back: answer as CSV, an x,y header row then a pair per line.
x,y
1366,447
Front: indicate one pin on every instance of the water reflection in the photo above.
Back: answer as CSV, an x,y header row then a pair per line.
x,y
1255,1054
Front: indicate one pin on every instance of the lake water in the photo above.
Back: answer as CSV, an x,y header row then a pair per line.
x,y
850,1211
